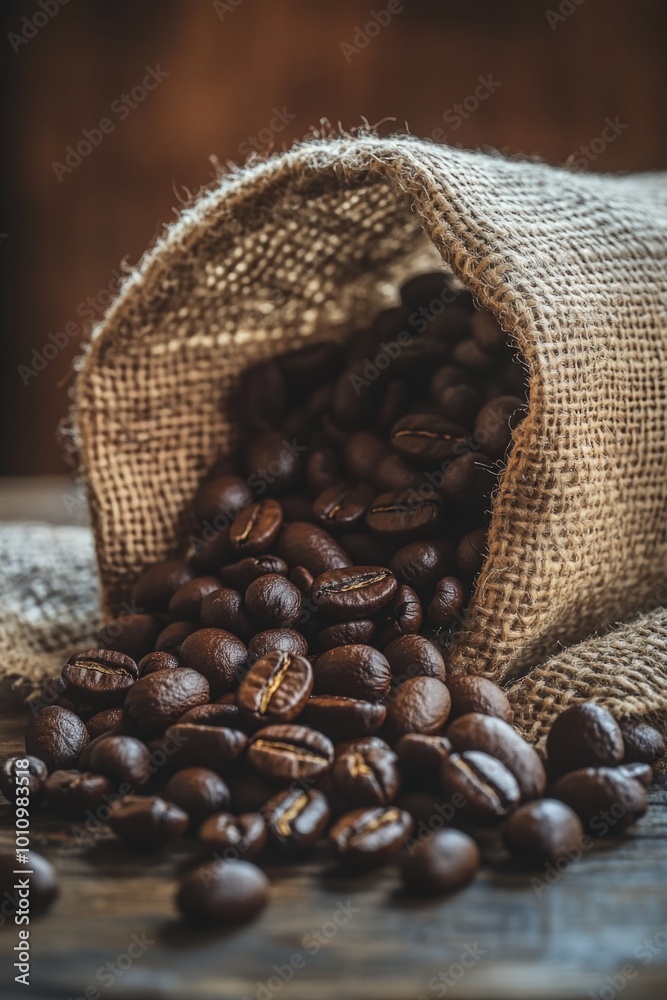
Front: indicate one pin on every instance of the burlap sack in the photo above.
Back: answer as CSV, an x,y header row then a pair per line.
x,y
311,242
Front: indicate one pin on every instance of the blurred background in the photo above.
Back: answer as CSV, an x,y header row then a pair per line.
x,y
112,112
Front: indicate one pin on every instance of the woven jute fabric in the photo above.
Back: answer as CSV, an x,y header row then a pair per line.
x,y
311,243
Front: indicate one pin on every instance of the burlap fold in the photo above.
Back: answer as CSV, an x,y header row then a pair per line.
x,y
310,243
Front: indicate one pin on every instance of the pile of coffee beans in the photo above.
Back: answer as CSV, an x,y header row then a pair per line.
x,y
285,680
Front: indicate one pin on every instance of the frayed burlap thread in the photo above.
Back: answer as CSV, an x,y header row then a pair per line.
x,y
310,243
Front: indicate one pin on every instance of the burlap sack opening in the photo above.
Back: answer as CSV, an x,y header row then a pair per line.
x,y
311,243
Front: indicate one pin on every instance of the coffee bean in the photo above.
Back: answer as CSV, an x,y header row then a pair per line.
x,y
543,832
100,677
351,409
213,552
135,634
273,601
157,661
282,640
401,616
362,454
276,687
216,655
272,460
343,718
234,837
419,705
426,438
307,545
489,790
643,743
219,500
354,592
123,759
158,700
421,565
421,757
366,838
473,693
303,579
239,575
487,332
468,480
147,821
57,736
219,714
426,288
223,891
186,603
471,553
447,603
197,791
497,738
495,423
354,671
172,637
367,777
393,474
224,608
346,633
322,470
24,774
445,862
604,798
74,793
42,884
157,584
341,507
584,735
360,744
256,528
287,753
404,514
469,356
216,747
296,818
414,656
643,773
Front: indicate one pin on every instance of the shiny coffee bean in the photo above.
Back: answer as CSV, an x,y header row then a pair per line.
x,y
444,862
197,791
342,718
604,798
496,421
401,616
473,693
366,838
643,773
471,553
216,747
239,575
219,714
414,656
24,774
42,881
256,528
421,565
354,592
147,821
497,738
544,832
277,640
346,633
221,498
276,688
224,608
134,634
186,603
447,603
234,837
158,700
273,601
427,438
99,677
419,705
643,743
341,507
157,584
421,757
362,743
307,545
404,514
57,736
216,655
489,790
172,637
296,818
75,793
288,753
353,671
367,777
158,660
223,892
584,735
125,760
303,579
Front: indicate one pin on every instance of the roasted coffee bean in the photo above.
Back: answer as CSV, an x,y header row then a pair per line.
x,y
346,633
354,592
471,553
468,480
426,288
401,616
495,423
261,395
287,753
459,404
419,705
393,474
219,714
470,356
604,798
147,821
276,687
322,470
341,507
367,777
306,367
135,634
157,661
213,552
274,461
157,584
366,838
473,693
43,888
584,735
273,601
307,545
354,671
414,656
221,499
350,409
643,743
361,744
447,603
487,332
222,891
296,818
24,774
240,575
158,700
421,565
100,677
216,747
74,793
497,738
234,837
643,773
488,789
362,454
445,862
123,759
404,514
172,637
343,718
427,438
303,579
186,603
256,528
277,640
216,655
197,791
421,757
544,832
57,736
224,608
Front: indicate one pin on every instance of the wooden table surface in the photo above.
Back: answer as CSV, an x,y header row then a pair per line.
x,y
600,928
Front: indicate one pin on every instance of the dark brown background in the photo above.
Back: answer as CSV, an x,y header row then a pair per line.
x,y
67,238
